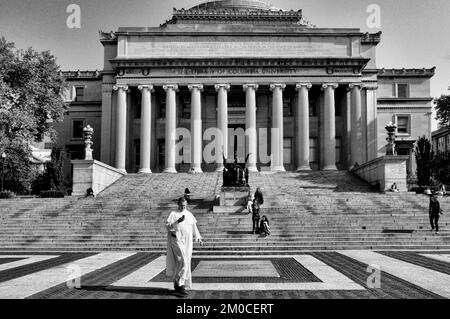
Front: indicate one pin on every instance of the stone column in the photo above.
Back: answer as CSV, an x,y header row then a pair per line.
x,y
303,126
277,124
329,127
196,127
171,90
121,126
356,124
250,125
146,128
222,124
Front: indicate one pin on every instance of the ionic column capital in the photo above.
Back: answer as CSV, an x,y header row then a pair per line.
x,y
299,86
330,85
370,88
351,86
167,87
222,86
281,86
146,87
192,87
250,86
120,87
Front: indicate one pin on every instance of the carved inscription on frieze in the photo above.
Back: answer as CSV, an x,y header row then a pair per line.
x,y
190,47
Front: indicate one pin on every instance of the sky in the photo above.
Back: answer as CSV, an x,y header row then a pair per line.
x,y
415,32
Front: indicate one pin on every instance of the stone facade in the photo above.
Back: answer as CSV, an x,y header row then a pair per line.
x,y
291,95
440,140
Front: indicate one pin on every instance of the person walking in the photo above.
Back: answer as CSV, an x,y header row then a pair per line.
x,y
255,216
434,211
182,231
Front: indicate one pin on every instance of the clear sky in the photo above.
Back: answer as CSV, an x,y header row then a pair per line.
x,y
415,32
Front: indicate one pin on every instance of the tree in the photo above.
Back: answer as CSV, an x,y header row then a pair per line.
x,y
441,167
424,156
18,172
31,100
443,110
31,90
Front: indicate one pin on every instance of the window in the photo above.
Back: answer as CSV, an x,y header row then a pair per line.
x,y
402,91
138,110
338,109
137,159
186,108
79,93
287,106
338,149
312,106
77,129
161,151
313,155
162,108
402,124
287,150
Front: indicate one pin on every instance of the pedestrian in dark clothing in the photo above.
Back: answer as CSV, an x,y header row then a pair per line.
x,y
434,211
255,217
259,197
187,195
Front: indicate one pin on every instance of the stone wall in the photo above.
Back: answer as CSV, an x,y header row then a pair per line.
x,y
385,170
92,174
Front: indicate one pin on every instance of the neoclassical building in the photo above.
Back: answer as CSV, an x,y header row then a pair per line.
x,y
289,95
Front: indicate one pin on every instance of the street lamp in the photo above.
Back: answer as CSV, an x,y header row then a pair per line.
x,y
3,167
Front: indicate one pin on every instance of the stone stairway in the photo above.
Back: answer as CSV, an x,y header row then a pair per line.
x,y
307,211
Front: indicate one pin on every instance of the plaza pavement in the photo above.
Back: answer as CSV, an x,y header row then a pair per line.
x,y
352,274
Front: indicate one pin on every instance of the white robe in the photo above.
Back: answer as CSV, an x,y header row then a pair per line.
x,y
179,249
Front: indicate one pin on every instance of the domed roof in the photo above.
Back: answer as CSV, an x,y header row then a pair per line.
x,y
235,4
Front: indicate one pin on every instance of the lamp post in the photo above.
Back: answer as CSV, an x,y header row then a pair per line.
x,y
3,167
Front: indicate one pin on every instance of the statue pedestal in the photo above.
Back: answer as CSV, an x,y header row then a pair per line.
x,y
232,199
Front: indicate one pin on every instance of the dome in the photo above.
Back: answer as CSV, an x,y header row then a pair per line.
x,y
235,5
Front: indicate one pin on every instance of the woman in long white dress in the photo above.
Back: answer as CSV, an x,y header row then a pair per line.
x,y
182,231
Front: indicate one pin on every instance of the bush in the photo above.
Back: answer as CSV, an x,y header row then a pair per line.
x,y
7,194
441,167
424,156
18,171
52,194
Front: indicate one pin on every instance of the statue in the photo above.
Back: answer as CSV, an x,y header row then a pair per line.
x,y
235,174
390,148
88,132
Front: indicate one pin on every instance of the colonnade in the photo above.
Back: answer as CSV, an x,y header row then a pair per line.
x,y
222,89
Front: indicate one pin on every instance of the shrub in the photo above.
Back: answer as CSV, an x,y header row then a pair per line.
x,y
424,156
7,194
52,194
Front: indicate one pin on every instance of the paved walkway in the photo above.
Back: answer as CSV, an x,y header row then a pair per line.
x,y
335,274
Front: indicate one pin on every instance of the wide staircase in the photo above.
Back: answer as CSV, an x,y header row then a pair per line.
x,y
307,211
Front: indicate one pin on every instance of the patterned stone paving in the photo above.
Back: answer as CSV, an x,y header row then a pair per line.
x,y
306,270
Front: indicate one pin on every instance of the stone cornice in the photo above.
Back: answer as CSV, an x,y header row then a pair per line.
x,y
410,99
424,72
196,15
356,64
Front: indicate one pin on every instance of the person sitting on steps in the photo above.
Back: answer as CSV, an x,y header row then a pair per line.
x,y
394,188
264,228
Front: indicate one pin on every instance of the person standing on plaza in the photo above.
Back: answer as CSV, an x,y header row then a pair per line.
x,y
182,231
434,212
